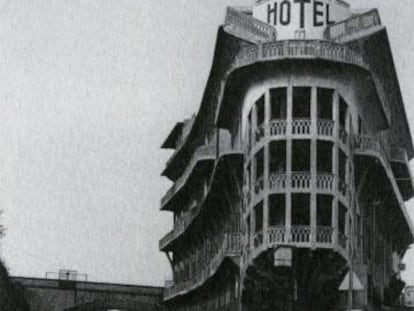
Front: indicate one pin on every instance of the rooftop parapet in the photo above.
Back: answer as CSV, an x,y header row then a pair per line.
x,y
355,26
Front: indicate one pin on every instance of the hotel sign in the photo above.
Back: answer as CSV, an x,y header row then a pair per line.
x,y
300,19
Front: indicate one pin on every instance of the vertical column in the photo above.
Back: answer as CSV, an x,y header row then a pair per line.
x,y
253,175
347,229
313,164
266,170
335,215
267,112
288,221
254,124
335,155
239,139
253,157
252,228
266,193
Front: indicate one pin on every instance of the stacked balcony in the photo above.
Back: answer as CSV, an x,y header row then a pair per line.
x,y
190,202
394,159
204,263
300,150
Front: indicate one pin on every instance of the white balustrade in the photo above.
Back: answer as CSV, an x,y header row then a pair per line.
x,y
278,181
325,127
301,181
250,24
353,25
277,235
301,234
325,182
277,127
324,235
301,126
299,49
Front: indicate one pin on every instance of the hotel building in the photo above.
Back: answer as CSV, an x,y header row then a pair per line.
x,y
290,181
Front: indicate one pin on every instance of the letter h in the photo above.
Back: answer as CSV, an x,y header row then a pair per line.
x,y
271,12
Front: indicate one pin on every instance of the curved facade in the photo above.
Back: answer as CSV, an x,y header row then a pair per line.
x,y
292,175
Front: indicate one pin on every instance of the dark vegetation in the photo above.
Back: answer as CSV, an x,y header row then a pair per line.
x,y
11,295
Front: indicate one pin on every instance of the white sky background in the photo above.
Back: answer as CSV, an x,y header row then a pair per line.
x,y
88,91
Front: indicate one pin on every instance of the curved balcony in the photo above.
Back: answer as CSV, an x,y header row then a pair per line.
x,y
375,146
298,49
230,247
402,172
323,183
180,226
203,153
399,155
297,236
301,181
299,127
371,146
257,29
280,129
188,218
357,24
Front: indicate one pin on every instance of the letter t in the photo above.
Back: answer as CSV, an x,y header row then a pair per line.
x,y
302,11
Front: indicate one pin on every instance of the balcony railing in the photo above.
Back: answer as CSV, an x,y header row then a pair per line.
x,y
353,25
277,235
277,127
202,153
324,234
383,148
300,236
194,210
373,143
380,145
302,181
298,49
251,25
325,182
231,246
301,126
399,155
180,225
325,127
297,236
278,181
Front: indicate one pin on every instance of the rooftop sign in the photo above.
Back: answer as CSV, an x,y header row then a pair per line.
x,y
300,19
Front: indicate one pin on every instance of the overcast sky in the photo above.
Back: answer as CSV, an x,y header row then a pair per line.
x,y
88,91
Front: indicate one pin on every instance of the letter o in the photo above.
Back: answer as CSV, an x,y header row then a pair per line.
x,y
285,11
